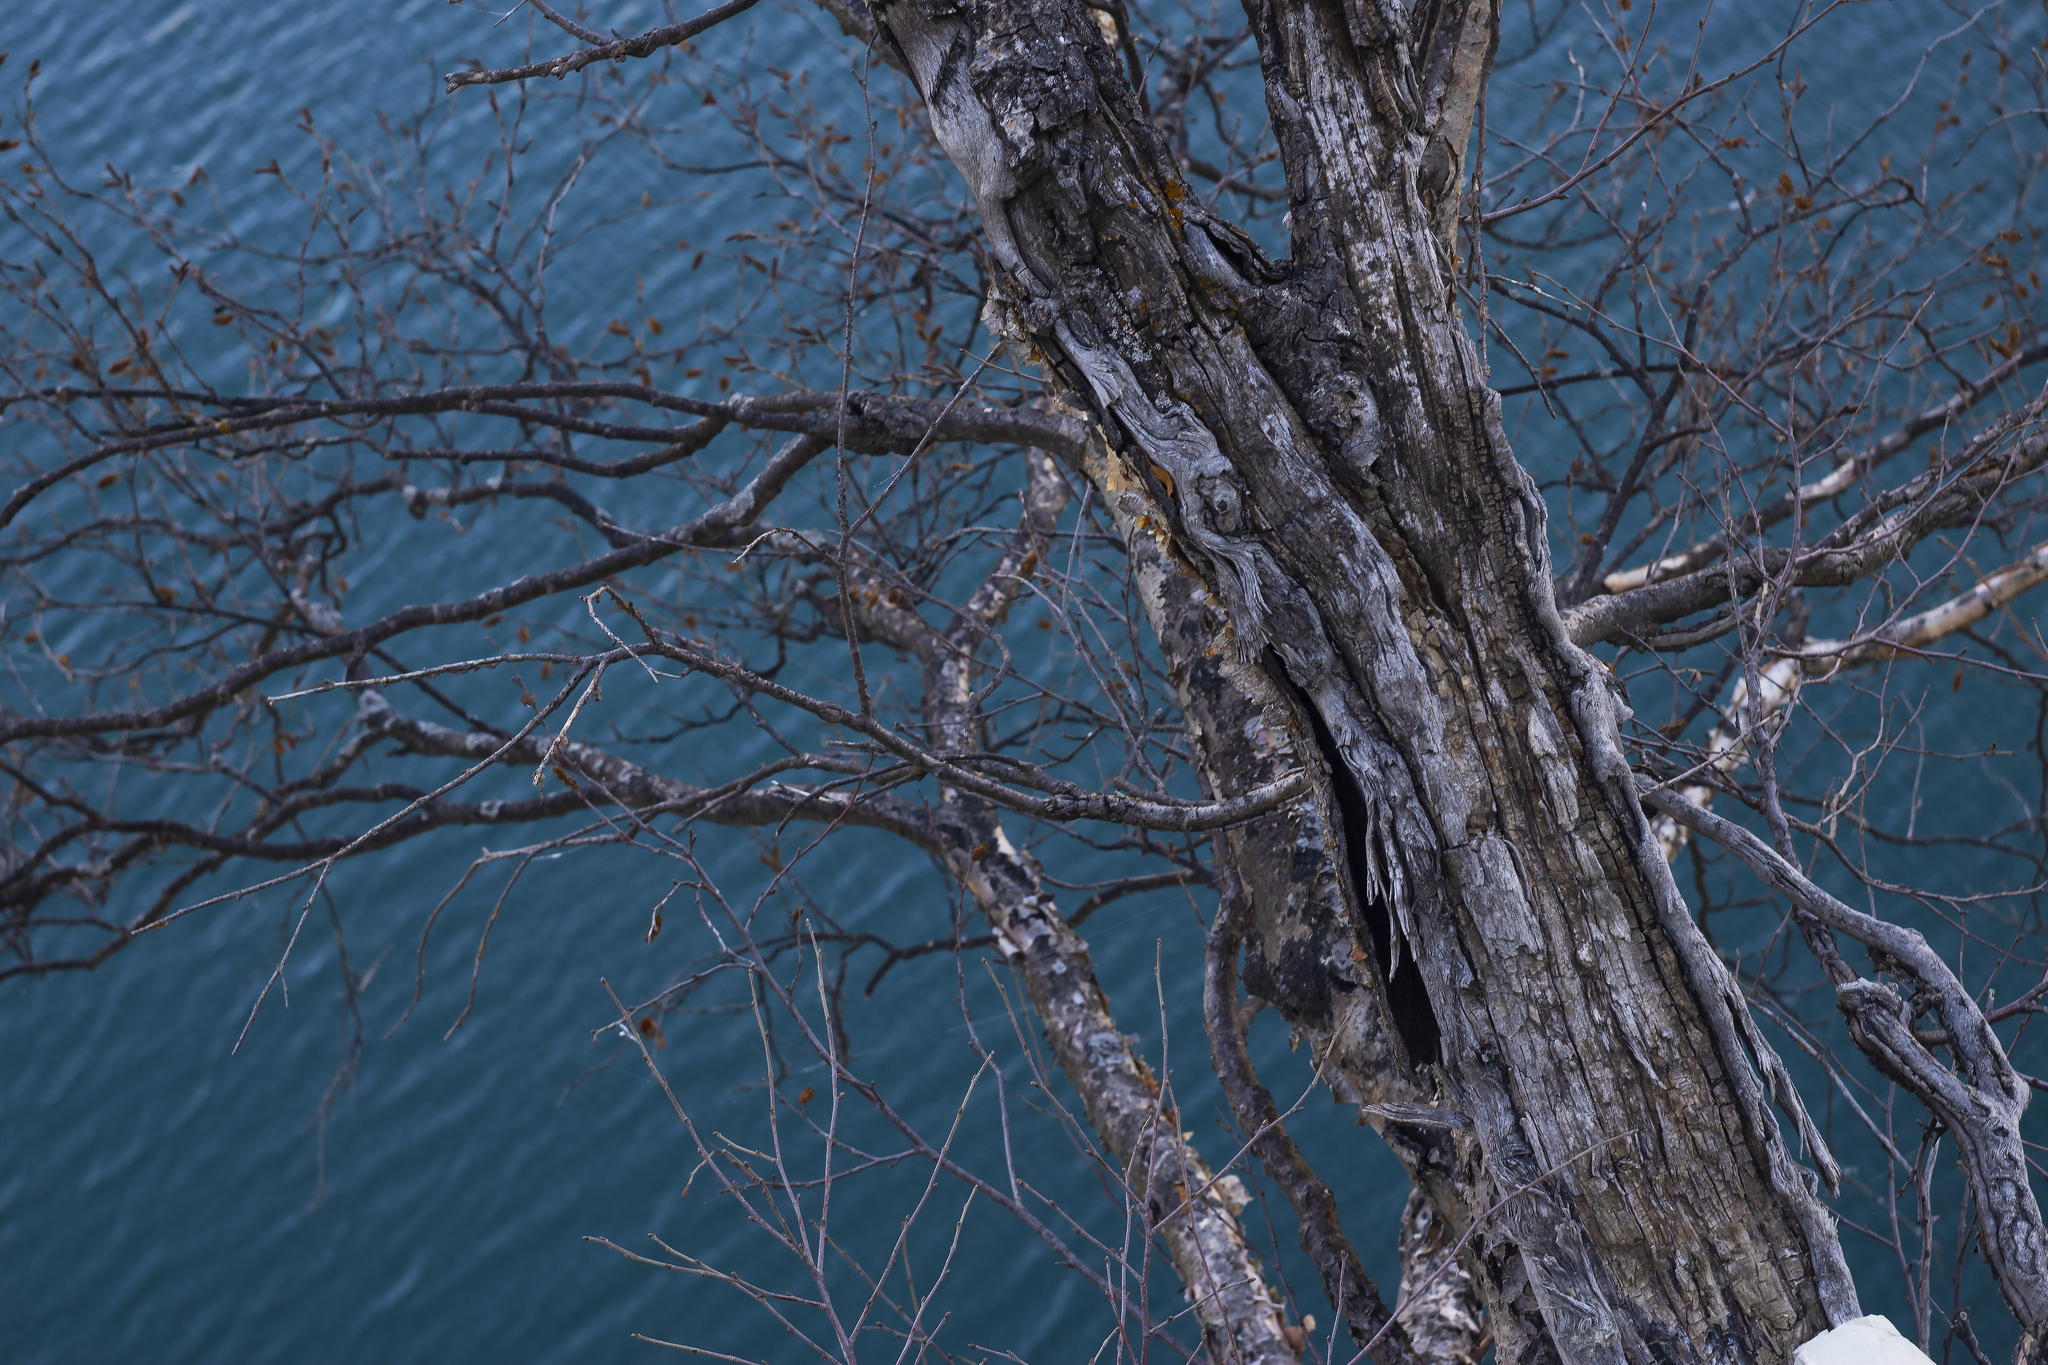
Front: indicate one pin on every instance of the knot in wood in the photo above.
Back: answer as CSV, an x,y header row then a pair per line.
x,y
1222,502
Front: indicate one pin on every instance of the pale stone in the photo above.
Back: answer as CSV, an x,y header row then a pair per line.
x,y
1861,1341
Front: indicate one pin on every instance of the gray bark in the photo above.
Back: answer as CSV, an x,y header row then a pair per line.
x,y
1286,906
1436,1288
1172,1192
1335,472
1979,1102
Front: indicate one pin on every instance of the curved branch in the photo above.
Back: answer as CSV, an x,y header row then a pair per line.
x,y
647,793
1980,1101
1356,1297
1064,801
870,423
1836,482
1779,681
1867,543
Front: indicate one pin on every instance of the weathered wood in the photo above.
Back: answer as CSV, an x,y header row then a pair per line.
x,y
1337,474
1288,906
1979,1101
1172,1191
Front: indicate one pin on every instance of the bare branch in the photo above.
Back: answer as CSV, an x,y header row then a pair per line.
x,y
646,45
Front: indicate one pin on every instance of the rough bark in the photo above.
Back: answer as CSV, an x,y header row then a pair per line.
x,y
1172,1191
1337,473
1979,1100
1286,904
1436,1288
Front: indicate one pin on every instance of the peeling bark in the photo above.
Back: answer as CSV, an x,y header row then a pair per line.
x,y
1337,476
1173,1191
1436,1290
1286,904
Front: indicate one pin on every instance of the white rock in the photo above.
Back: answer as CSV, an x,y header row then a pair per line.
x,y
1861,1341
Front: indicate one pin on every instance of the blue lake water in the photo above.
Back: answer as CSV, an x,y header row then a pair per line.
x,y
158,1195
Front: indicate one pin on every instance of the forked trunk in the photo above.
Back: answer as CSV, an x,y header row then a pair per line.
x,y
1320,444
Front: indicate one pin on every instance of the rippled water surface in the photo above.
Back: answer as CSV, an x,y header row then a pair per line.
x,y
157,1195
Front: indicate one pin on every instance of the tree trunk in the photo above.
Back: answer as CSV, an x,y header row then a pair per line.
x,y
1286,906
1318,439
